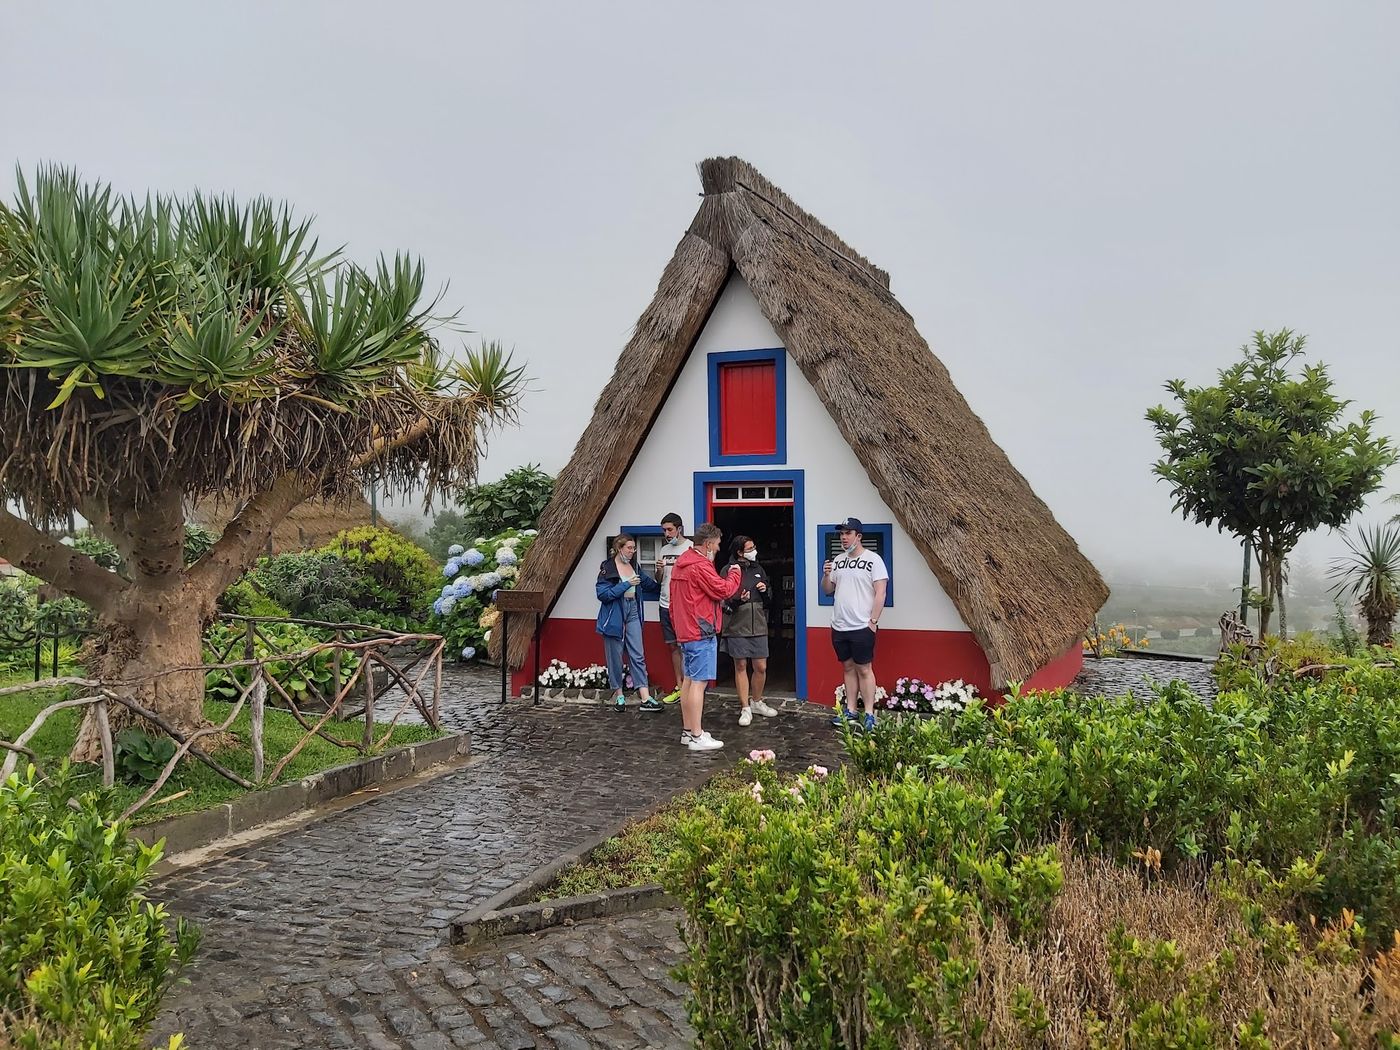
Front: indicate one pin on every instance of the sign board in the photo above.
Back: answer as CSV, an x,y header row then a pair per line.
x,y
520,601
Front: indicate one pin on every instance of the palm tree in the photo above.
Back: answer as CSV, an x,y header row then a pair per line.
x,y
1370,576
155,352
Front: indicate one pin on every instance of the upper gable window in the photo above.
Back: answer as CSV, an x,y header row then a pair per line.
x,y
748,410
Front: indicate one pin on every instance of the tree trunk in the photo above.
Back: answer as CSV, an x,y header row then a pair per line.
x,y
1265,552
1281,569
141,658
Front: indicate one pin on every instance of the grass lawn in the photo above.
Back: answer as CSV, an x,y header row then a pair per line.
x,y
204,787
638,854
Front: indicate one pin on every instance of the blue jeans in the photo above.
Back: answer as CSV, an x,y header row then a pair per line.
x,y
631,642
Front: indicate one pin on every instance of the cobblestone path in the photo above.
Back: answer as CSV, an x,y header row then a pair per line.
x,y
333,935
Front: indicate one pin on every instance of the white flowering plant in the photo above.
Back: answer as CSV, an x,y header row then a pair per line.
x,y
594,676
558,675
475,571
917,695
880,695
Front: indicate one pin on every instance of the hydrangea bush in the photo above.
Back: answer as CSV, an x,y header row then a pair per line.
x,y
463,613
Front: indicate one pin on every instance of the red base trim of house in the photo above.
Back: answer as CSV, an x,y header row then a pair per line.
x,y
935,656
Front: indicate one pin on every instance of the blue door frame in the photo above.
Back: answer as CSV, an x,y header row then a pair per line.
x,y
706,478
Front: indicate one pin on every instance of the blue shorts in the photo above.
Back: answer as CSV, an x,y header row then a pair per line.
x,y
698,659
668,632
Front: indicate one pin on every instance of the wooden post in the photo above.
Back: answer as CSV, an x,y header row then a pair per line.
x,y
259,698
437,688
104,732
247,639
369,657
508,602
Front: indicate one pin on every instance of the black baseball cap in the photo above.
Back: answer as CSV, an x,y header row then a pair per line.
x,y
852,525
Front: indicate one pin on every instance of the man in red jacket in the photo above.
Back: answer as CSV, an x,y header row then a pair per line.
x,y
696,593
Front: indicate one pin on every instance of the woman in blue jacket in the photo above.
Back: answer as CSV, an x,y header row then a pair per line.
x,y
622,585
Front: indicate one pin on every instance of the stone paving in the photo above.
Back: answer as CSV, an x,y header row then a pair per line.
x,y
333,935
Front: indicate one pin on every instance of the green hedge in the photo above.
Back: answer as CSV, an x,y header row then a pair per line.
x,y
84,957
857,909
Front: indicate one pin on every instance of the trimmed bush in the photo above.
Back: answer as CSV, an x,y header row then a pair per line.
x,y
84,957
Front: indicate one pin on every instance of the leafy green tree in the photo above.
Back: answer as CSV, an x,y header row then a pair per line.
x,y
1264,454
159,351
514,502
448,527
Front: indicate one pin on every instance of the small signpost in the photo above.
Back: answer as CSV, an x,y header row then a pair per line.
x,y
508,602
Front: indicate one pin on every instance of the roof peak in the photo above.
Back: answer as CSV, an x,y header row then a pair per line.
x,y
719,175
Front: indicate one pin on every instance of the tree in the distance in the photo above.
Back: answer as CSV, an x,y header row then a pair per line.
x,y
513,502
159,351
1264,454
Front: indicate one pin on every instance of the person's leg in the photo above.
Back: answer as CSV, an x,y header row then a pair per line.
x,y
636,659
848,671
612,656
760,677
692,705
741,681
865,675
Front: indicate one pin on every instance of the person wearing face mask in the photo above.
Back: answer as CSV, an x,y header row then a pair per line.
x,y
676,544
858,580
622,586
746,629
697,592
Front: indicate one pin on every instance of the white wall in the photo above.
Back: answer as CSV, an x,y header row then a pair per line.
x,y
661,479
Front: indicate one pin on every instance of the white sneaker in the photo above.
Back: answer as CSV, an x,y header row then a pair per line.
x,y
763,709
746,716
704,742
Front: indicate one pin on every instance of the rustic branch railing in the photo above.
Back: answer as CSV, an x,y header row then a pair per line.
x,y
370,654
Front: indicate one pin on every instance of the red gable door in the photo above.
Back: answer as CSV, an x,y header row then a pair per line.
x,y
748,406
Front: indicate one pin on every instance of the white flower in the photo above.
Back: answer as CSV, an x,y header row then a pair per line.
x,y
756,791
509,572
532,532
455,550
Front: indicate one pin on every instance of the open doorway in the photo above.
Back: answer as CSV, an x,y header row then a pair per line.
x,y
770,526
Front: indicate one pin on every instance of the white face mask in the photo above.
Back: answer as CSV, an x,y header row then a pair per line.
x,y
847,548
751,555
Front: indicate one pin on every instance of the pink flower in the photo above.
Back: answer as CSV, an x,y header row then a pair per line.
x,y
756,791
761,757
818,772
795,790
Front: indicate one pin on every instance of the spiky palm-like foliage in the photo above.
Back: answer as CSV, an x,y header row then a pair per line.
x,y
154,352
1370,576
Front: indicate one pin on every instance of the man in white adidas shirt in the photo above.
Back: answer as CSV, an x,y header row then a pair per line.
x,y
858,580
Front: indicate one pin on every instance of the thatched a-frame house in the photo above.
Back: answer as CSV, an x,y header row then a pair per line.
x,y
310,524
776,386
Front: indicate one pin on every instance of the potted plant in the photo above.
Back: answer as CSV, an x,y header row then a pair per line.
x,y
555,679
914,696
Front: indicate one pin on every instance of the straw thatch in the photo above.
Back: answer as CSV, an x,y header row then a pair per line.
x,y
310,524
1017,578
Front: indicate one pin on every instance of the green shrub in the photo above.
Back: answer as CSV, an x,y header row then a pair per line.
x,y
245,599
311,585
84,957
397,576
299,678
141,757
463,613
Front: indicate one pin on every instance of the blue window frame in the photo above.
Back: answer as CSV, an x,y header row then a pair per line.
x,y
829,536
703,479
637,531
718,360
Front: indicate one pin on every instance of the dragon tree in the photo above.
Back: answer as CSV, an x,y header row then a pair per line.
x,y
163,350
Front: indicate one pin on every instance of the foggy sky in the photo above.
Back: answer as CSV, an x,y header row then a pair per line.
x,y
1075,201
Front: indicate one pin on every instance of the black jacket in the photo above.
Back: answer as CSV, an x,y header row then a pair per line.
x,y
749,619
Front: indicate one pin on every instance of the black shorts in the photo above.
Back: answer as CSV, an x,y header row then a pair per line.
x,y
858,646
668,632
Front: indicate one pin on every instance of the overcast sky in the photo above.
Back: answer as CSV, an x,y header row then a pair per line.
x,y
1076,201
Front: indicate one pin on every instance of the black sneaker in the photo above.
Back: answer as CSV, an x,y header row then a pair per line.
x,y
650,704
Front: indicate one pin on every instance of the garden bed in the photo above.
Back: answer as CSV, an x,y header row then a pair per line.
x,y
194,786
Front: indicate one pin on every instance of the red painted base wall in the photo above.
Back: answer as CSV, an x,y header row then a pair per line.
x,y
935,656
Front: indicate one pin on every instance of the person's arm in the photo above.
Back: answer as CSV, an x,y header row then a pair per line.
x,y
879,609
828,584
649,587
716,586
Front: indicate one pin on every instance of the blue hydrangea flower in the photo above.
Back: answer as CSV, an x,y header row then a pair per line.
x,y
505,556
437,606
448,601
452,568
491,579
468,653
474,557
446,589
462,589
494,593
455,550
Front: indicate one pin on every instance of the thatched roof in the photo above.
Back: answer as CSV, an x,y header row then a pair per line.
x,y
310,524
1017,578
